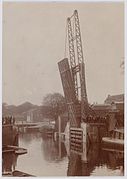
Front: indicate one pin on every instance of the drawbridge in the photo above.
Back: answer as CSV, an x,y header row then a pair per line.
x,y
72,72
80,131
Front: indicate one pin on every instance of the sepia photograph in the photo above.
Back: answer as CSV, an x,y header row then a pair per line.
x,y
63,88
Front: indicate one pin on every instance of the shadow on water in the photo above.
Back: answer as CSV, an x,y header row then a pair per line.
x,y
57,159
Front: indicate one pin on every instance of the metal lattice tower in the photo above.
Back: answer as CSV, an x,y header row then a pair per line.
x,y
72,56
73,74
77,62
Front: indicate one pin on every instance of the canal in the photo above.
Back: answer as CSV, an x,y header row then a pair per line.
x,y
47,157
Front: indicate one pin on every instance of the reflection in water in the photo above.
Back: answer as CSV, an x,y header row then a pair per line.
x,y
47,157
74,165
96,159
29,137
9,162
53,150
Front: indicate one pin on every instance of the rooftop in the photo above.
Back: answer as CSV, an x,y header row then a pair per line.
x,y
114,98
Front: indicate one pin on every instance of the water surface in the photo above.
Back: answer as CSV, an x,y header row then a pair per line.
x,y
47,157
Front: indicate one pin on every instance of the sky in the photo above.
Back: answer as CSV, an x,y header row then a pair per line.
x,y
34,42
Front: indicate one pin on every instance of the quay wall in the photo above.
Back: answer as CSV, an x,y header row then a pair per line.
x,y
96,132
9,135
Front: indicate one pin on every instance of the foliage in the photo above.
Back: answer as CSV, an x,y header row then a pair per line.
x,y
55,104
13,110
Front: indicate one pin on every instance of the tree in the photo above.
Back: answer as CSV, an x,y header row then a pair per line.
x,y
4,108
55,104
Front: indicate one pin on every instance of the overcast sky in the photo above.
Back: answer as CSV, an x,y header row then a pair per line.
x,y
34,41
